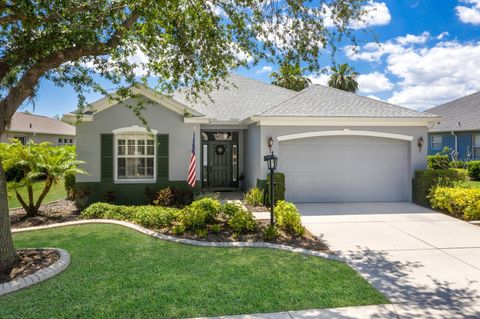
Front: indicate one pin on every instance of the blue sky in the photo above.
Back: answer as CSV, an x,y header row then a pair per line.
x,y
428,54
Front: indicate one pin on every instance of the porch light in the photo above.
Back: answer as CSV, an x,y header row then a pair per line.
x,y
270,143
272,166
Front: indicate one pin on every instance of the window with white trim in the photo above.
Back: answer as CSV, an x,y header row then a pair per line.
x,y
135,156
436,142
476,146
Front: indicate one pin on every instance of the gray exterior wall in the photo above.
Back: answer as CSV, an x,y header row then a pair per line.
x,y
159,118
37,138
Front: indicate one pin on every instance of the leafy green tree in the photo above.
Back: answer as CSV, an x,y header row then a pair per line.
x,y
89,44
290,76
38,161
344,78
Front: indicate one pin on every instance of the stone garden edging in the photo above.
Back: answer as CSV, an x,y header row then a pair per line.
x,y
43,274
184,240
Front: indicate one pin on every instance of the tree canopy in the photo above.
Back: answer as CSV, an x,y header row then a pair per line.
x,y
290,76
344,78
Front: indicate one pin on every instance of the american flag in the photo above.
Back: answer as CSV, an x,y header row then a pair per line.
x,y
192,168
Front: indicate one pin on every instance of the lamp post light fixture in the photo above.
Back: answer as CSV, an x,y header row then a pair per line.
x,y
272,166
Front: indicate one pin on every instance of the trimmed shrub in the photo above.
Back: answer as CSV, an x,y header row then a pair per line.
x,y
425,180
241,221
164,197
173,197
199,213
288,218
154,217
461,202
438,161
69,180
108,211
254,196
279,187
474,169
458,164
230,209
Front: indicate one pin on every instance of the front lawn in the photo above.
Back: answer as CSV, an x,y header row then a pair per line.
x,y
56,192
473,184
117,272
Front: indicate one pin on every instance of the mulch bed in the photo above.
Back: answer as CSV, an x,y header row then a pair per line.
x,y
307,241
50,213
31,261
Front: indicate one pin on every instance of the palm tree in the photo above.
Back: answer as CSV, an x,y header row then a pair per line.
x,y
290,76
38,161
344,78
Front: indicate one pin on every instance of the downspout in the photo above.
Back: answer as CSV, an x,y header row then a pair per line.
x,y
456,144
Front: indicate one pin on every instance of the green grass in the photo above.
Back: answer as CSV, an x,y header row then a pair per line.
x,y
473,184
56,192
116,272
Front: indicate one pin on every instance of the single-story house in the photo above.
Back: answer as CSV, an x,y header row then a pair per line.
x,y
30,127
459,128
332,146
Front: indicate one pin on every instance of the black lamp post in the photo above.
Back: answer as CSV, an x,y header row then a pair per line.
x,y
272,166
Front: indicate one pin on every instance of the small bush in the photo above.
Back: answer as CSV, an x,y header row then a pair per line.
x,y
199,213
201,233
216,228
178,230
154,217
254,196
164,197
461,202
474,169
458,164
108,211
241,221
438,161
425,180
279,187
230,209
202,195
270,233
288,218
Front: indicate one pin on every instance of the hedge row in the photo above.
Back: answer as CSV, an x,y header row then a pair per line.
x,y
460,202
425,180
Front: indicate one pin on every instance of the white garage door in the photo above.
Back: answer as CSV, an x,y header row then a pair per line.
x,y
345,169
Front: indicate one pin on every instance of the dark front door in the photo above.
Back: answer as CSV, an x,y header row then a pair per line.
x,y
220,163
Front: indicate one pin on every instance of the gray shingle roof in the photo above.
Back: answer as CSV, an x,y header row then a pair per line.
x,y
242,98
322,101
462,114
30,123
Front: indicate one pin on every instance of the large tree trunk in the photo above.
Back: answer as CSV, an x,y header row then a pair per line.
x,y
8,256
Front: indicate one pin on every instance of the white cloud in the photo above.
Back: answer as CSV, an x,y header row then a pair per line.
x,y
470,12
426,76
377,14
321,79
442,35
413,39
264,69
373,82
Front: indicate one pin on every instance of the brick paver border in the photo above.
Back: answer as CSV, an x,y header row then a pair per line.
x,y
43,274
184,240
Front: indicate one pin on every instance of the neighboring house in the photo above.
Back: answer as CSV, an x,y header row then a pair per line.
x,y
29,127
459,128
333,146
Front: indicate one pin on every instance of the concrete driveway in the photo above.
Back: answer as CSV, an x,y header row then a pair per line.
x,y
426,263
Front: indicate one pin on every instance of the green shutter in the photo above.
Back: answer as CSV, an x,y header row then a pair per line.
x,y
106,157
162,156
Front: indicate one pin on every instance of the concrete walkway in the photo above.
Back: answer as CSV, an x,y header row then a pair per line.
x,y
426,263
